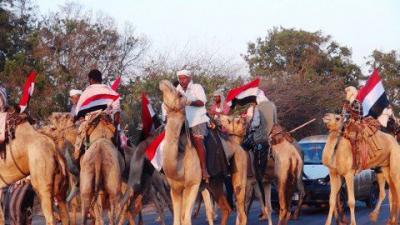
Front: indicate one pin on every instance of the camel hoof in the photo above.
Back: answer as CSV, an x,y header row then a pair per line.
x,y
373,217
262,217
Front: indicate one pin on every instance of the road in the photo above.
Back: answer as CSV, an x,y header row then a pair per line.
x,y
310,216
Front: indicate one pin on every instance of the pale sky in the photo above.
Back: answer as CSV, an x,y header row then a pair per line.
x,y
224,27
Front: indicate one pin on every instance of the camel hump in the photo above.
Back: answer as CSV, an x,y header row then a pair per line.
x,y
279,134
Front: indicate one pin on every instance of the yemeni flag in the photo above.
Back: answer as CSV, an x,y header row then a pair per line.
x,y
116,83
154,151
243,94
372,96
95,97
150,120
27,91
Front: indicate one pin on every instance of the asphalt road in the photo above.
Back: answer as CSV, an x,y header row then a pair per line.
x,y
309,216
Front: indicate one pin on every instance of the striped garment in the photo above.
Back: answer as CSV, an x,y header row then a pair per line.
x,y
95,97
3,98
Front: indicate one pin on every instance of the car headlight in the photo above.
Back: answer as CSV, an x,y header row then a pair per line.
x,y
323,181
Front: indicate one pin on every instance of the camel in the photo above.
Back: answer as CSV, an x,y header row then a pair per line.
x,y
286,169
182,169
32,153
338,149
64,132
138,178
101,167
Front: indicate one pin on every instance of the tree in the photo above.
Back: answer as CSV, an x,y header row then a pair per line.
x,y
289,52
388,65
304,73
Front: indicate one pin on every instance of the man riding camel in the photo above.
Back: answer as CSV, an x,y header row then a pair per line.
x,y
97,96
73,99
196,115
219,107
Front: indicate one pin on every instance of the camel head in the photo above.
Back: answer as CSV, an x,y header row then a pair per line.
x,y
173,100
233,125
61,120
332,121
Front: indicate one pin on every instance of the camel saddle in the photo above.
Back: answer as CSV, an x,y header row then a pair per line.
x,y
279,134
8,124
216,161
91,121
364,143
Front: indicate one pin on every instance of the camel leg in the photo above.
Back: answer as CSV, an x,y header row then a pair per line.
x,y
98,211
74,209
86,198
301,192
249,194
336,183
394,196
189,196
239,179
381,182
216,189
283,206
351,202
176,196
261,199
46,203
62,206
208,205
268,206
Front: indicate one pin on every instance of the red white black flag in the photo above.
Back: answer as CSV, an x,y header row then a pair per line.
x,y
27,91
243,94
154,151
150,120
372,96
116,83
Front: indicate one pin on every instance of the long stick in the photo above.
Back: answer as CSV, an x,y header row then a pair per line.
x,y
303,125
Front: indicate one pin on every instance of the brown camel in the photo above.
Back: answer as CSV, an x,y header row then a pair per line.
x,y
286,169
100,167
337,156
32,153
64,133
182,169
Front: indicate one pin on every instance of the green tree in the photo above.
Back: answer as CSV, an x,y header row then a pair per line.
x,y
289,52
304,73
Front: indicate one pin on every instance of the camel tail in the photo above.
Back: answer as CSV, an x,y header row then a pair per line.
x,y
62,167
97,173
291,181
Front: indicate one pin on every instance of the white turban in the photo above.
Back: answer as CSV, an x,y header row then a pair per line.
x,y
74,92
184,73
351,93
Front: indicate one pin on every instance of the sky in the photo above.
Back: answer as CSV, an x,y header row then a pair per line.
x,y
224,27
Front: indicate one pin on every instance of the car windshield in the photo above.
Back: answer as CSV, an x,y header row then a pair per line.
x,y
312,152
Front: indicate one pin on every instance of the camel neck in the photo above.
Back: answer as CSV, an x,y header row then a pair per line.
x,y
172,132
236,139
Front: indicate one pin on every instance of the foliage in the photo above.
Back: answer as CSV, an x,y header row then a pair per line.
x,y
289,52
305,74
